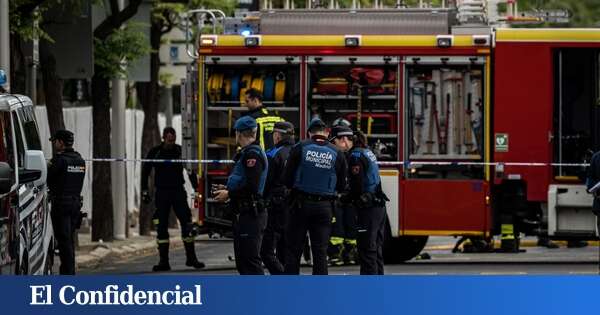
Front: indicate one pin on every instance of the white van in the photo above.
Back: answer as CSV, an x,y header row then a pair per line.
x,y
26,235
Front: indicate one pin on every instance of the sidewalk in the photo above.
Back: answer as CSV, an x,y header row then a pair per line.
x,y
90,254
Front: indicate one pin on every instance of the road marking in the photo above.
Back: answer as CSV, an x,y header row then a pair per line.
x,y
583,272
415,273
502,273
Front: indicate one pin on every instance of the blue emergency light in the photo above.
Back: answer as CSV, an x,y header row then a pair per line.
x,y
2,77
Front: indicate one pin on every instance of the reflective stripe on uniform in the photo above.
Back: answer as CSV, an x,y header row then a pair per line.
x,y
266,123
189,239
159,241
334,240
155,221
350,241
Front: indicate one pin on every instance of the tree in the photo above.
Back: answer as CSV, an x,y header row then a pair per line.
x,y
27,23
165,17
108,40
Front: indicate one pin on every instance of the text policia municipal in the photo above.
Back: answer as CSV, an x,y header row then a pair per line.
x,y
115,295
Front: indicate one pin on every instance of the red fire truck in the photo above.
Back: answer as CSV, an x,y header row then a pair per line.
x,y
480,131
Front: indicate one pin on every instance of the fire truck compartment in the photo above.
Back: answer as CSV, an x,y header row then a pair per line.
x,y
363,90
226,78
570,212
449,208
576,110
443,116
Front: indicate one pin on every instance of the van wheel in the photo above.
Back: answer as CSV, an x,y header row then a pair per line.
x,y
400,249
49,259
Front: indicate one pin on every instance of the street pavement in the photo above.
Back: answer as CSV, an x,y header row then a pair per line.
x,y
218,256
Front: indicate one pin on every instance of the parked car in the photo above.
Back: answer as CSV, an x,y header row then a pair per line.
x,y
26,235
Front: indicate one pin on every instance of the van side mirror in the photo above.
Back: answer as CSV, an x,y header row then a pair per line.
x,y
36,169
6,178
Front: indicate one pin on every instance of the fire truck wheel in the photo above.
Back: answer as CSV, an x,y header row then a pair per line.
x,y
400,249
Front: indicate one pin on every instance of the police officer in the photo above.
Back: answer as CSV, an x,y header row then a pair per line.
x,y
315,171
276,196
66,172
368,197
593,178
168,180
265,120
342,243
245,187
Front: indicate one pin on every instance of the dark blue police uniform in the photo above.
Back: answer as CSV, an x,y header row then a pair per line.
x,y
246,185
315,172
369,200
593,177
276,195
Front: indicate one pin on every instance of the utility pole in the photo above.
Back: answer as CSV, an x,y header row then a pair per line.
x,y
168,101
118,151
5,42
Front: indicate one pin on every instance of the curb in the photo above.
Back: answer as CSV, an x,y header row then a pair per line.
x,y
104,252
523,243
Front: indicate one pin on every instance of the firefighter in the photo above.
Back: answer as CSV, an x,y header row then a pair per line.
x,y
368,197
276,196
265,120
169,181
315,172
342,243
245,187
66,171
593,178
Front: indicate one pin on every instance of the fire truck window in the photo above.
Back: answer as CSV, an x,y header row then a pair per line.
x,y
366,95
444,110
576,110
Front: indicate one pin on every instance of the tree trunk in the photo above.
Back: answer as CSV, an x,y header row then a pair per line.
x,y
18,67
102,203
52,89
148,94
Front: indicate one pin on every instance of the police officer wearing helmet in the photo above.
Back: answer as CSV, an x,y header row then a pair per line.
x,y
368,198
66,171
170,193
276,196
316,172
245,188
342,243
264,119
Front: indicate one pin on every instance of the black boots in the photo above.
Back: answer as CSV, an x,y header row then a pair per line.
x,y
190,256
163,254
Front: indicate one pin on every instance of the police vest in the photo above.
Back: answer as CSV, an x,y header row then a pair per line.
x,y
237,178
273,152
372,179
316,173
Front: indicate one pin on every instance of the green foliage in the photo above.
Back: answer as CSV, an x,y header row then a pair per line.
x,y
125,45
584,13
